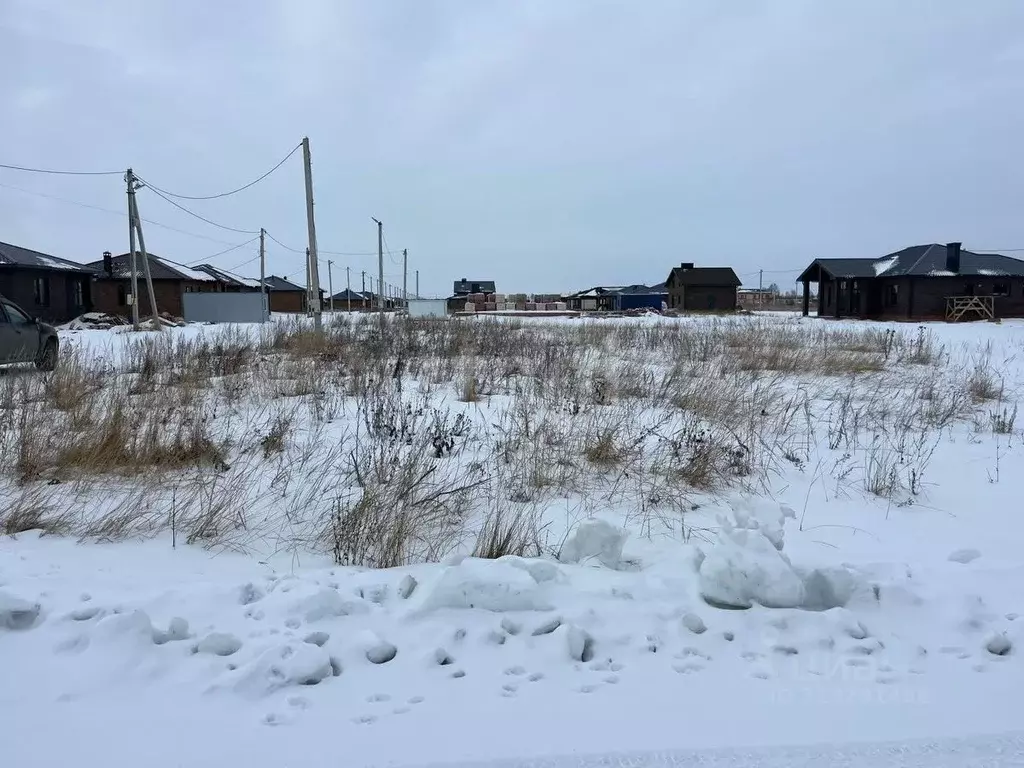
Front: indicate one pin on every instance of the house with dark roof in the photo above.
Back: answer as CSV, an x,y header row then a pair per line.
x,y
286,296
702,289
922,282
466,287
349,300
112,284
53,289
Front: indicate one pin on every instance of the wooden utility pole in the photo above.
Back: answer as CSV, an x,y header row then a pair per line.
x,y
348,289
314,270
405,277
380,272
130,178
309,288
417,283
136,223
263,274
330,282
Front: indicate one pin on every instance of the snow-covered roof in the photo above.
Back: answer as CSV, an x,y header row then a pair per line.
x,y
15,255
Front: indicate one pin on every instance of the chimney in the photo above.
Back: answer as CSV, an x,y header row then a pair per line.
x,y
686,265
108,264
953,258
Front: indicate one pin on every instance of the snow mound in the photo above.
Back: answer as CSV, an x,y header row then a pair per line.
x,y
490,585
964,556
289,664
744,568
219,644
541,570
16,613
133,628
764,515
826,588
328,603
177,629
594,540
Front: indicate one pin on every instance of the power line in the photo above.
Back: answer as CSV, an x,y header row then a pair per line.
x,y
53,172
321,250
233,191
211,222
226,250
80,204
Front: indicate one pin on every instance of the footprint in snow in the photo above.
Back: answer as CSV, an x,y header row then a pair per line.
x,y
509,689
535,676
378,697
688,668
298,702
416,700
274,719
400,710
587,688
516,670
365,720
612,679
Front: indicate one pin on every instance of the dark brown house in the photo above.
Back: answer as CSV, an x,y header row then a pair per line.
x,y
349,299
702,289
52,289
112,284
288,297
922,282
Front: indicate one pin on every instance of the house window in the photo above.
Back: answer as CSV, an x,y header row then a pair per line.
x,y
122,296
1001,289
42,291
892,295
78,294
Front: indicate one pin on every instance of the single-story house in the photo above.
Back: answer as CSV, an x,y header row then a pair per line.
x,y
53,289
356,300
596,299
112,284
922,282
702,289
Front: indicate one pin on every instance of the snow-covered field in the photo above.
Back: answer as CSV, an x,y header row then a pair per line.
x,y
490,539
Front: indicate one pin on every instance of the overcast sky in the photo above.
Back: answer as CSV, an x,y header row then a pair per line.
x,y
549,145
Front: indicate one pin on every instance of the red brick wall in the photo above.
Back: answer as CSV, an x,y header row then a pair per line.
x,y
106,296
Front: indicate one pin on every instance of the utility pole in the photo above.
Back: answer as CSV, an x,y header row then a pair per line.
x,y
314,270
380,272
309,288
760,286
263,274
135,222
130,178
330,281
405,277
417,283
348,289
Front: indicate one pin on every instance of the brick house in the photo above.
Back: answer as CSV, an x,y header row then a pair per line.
x,y
112,284
288,297
53,289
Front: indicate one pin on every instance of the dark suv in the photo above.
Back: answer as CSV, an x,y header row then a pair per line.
x,y
23,339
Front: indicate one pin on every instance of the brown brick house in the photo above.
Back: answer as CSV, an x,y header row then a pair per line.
x,y
53,289
288,297
112,284
702,289
922,282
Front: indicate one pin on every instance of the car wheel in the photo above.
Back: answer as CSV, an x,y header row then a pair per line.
x,y
48,359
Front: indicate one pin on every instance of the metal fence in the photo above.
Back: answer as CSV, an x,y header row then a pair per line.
x,y
224,307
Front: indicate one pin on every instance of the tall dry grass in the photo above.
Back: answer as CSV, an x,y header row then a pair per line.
x,y
443,436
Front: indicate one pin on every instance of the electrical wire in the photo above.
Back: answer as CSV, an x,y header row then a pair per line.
x,y
233,191
123,214
226,250
54,172
181,207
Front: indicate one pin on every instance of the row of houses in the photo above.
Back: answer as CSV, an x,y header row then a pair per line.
x,y
57,290
687,288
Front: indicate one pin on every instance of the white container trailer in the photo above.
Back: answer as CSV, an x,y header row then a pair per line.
x,y
428,308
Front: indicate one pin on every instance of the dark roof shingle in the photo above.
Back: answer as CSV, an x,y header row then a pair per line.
x,y
920,261
15,255
717,276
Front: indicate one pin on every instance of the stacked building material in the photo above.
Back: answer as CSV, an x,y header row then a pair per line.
x,y
531,306
470,306
490,306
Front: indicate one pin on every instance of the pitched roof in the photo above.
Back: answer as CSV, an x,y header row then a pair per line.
x,y
920,261
275,283
703,276
467,286
159,269
344,295
16,256
644,290
228,278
